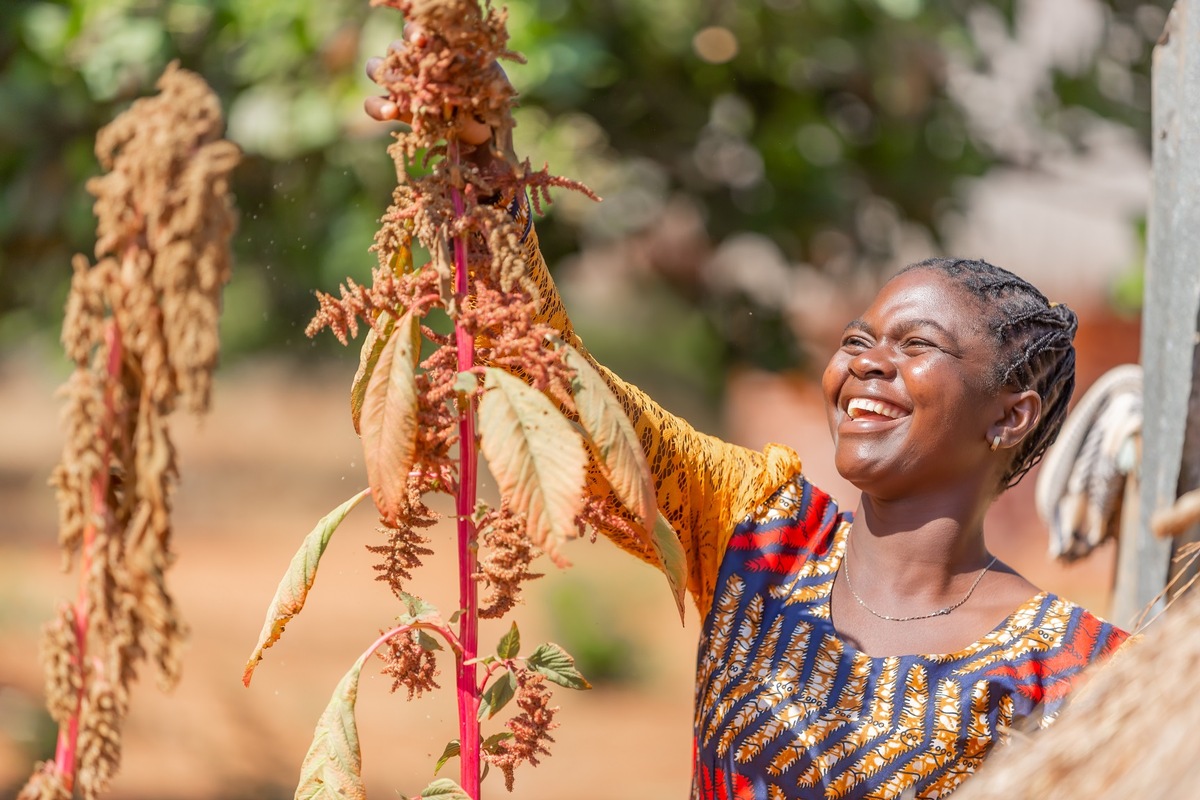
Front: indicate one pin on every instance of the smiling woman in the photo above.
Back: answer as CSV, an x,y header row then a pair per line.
x,y
944,392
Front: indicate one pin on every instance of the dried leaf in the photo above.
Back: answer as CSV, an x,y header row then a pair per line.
x,y
368,358
557,665
388,424
293,589
466,382
536,456
332,768
674,564
606,425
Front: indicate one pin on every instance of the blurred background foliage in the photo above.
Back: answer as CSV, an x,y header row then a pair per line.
x,y
822,128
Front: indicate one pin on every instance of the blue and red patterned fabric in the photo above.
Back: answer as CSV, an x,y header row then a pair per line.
x,y
785,710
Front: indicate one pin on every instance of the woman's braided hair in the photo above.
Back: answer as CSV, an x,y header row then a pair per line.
x,y
1035,345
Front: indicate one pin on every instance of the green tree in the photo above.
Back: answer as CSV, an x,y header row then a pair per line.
x,y
820,124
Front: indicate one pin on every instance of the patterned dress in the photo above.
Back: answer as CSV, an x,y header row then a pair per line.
x,y
786,710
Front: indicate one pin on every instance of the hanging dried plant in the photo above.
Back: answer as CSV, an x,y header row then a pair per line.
x,y
427,405
141,327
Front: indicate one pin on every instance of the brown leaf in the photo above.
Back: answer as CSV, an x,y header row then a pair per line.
x,y
368,359
606,425
536,456
389,419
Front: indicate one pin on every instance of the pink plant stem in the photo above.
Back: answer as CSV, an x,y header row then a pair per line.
x,y
468,453
68,737
446,633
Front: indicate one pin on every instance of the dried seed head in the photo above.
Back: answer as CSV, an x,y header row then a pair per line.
x,y
141,327
165,219
602,511
104,710
504,558
61,663
403,552
531,728
46,783
507,337
409,664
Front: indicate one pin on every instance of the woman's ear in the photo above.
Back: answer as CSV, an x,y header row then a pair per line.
x,y
1022,410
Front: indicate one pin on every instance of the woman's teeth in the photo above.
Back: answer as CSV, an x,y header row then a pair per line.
x,y
859,407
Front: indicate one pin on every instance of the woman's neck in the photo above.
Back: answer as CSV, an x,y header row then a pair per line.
x,y
915,546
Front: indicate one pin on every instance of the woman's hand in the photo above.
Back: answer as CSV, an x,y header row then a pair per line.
x,y
472,131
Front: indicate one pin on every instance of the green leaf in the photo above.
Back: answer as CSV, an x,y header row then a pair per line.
x,y
389,419
496,696
536,456
490,743
609,429
674,563
557,665
428,642
368,358
453,748
444,789
418,609
510,643
454,617
333,766
293,588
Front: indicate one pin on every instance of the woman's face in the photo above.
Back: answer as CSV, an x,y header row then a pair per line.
x,y
909,393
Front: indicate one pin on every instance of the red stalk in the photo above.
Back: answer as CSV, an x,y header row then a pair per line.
x,y
446,633
68,737
468,601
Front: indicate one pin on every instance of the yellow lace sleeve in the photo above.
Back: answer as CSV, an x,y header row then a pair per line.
x,y
705,486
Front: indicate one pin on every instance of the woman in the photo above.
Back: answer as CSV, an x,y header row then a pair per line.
x,y
883,652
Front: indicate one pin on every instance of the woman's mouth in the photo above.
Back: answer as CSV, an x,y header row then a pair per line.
x,y
862,408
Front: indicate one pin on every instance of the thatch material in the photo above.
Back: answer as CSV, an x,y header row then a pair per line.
x,y
1130,732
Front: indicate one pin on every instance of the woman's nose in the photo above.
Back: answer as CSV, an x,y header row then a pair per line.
x,y
873,362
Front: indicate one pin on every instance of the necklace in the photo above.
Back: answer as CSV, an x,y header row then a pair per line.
x,y
941,612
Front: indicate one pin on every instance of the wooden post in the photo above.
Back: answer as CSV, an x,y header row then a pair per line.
x,y
1170,321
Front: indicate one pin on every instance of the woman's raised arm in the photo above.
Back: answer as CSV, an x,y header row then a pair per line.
x,y
704,486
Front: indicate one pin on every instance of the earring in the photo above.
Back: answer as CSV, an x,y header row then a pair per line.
x,y
995,442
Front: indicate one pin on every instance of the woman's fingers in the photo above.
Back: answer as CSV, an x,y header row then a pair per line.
x,y
382,109
474,132
373,65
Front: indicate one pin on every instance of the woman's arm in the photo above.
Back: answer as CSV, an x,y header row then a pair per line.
x,y
704,486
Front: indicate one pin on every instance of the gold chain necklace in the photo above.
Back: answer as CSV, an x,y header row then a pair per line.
x,y
941,612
